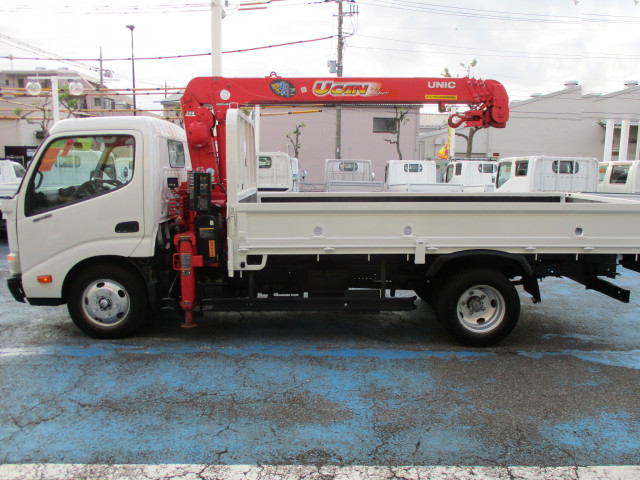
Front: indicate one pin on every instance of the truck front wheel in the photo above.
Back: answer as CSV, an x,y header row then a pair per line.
x,y
478,307
108,301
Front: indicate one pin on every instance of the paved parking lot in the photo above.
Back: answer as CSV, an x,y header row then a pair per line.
x,y
319,391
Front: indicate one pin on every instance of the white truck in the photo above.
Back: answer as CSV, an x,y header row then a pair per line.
x,y
115,251
475,175
414,176
278,172
547,174
350,175
11,174
619,176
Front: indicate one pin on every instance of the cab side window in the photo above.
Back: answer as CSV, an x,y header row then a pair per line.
x,y
176,154
77,168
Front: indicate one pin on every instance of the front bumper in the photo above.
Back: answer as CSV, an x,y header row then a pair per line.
x,y
15,287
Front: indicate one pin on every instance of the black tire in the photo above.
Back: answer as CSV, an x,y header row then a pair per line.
x,y
108,301
478,306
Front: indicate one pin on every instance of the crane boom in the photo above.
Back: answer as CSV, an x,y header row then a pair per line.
x,y
207,99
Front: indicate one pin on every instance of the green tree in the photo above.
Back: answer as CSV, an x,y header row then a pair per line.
x,y
71,102
294,138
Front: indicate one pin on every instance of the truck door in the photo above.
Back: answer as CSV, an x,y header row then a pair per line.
x,y
79,202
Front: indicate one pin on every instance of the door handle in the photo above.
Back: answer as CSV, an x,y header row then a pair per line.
x,y
128,227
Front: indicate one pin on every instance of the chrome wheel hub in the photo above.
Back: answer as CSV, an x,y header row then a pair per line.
x,y
105,302
481,308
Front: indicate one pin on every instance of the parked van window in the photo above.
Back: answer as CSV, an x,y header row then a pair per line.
x,y
565,166
619,174
522,167
602,172
348,167
504,174
449,176
487,168
264,162
412,167
19,169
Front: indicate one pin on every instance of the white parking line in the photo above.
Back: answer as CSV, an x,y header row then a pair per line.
x,y
307,472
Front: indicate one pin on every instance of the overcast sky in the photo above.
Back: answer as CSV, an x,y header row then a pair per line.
x,y
528,45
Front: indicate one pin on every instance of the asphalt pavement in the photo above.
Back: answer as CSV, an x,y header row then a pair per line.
x,y
327,391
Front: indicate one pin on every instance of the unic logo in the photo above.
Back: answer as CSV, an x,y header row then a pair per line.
x,y
441,84
323,88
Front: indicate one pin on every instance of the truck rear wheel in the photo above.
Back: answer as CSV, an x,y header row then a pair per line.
x,y
478,307
108,301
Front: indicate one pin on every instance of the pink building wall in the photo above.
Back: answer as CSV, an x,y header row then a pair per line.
x,y
318,136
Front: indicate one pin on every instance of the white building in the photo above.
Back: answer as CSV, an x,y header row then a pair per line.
x,y
566,123
25,119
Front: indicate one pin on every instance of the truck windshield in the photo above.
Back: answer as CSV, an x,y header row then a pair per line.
x,y
602,171
450,168
75,168
504,174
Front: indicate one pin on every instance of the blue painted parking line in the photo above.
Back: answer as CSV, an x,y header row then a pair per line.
x,y
195,403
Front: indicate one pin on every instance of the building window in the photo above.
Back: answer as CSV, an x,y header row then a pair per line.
x,y
96,101
21,83
385,124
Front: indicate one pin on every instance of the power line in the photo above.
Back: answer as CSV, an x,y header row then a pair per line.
x,y
572,57
468,12
497,52
77,60
465,12
150,9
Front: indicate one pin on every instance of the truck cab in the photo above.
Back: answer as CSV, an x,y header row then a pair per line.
x,y
474,174
95,195
414,176
11,174
620,176
278,172
547,174
343,175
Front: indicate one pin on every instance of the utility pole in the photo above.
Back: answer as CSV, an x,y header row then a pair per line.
x,y
339,73
217,14
101,85
339,65
133,69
